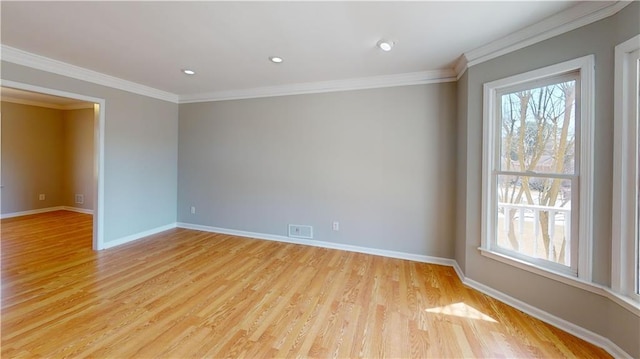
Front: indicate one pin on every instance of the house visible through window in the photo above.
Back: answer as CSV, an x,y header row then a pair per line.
x,y
534,154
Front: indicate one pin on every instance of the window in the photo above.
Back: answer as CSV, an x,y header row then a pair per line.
x,y
625,261
537,168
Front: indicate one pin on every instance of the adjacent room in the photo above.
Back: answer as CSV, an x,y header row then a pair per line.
x,y
320,179
47,146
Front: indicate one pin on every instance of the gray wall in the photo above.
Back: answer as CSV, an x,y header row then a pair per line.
x,y
46,151
78,157
32,157
461,172
381,162
141,141
583,308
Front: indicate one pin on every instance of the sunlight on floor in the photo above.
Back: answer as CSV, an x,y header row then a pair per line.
x,y
461,310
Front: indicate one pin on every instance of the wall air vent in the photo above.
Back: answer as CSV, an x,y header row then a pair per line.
x,y
298,231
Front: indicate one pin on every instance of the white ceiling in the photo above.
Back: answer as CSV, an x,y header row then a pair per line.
x,y
228,43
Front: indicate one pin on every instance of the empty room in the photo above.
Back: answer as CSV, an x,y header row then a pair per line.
x,y
437,179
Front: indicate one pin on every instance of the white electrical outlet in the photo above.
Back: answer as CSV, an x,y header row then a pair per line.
x,y
41,197
79,198
336,226
193,210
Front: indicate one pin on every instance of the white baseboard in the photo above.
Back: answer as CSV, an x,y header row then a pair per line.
x,y
30,212
133,237
535,312
77,209
44,210
459,271
578,331
322,244
542,315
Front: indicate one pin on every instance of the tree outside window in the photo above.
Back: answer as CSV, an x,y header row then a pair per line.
x,y
536,169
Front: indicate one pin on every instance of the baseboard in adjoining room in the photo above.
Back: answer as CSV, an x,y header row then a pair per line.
x,y
30,212
77,209
45,210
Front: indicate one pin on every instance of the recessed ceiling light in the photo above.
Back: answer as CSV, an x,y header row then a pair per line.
x,y
385,45
276,59
188,72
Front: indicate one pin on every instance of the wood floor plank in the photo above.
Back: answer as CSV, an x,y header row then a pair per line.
x,y
192,294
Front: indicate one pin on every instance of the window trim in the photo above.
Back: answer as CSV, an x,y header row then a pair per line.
x,y
572,268
623,279
585,65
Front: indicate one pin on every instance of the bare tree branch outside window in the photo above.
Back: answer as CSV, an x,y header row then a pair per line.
x,y
538,140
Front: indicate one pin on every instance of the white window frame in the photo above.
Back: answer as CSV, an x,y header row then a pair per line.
x,y
582,272
625,229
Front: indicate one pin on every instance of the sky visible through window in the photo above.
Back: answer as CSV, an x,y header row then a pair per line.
x,y
537,162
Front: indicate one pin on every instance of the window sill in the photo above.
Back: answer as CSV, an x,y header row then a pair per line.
x,y
627,303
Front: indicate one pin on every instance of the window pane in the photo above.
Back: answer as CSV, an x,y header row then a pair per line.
x,y
538,129
534,217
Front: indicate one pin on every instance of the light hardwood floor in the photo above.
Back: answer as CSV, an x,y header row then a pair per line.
x,y
185,293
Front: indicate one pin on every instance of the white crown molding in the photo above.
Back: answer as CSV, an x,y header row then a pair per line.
x,y
460,66
405,79
577,16
570,19
24,58
28,59
21,101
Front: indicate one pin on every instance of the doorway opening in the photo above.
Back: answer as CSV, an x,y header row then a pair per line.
x,y
81,188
